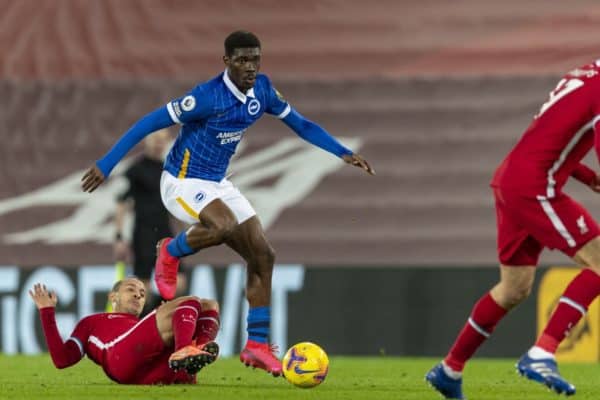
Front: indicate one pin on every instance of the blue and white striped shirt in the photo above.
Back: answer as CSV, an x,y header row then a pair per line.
x,y
214,118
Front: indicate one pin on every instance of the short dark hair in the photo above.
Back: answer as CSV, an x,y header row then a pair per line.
x,y
118,284
240,39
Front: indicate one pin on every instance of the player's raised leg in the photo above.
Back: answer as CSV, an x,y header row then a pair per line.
x,y
177,323
214,223
249,241
539,362
514,286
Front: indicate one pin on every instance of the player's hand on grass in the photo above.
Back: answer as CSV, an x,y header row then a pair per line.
x,y
358,161
42,297
92,178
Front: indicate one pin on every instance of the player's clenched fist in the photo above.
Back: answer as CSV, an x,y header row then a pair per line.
x,y
42,297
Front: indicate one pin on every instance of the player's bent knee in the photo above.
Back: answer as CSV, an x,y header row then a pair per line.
x,y
185,299
226,229
219,230
208,304
264,255
516,295
269,255
165,310
523,293
589,255
191,298
595,268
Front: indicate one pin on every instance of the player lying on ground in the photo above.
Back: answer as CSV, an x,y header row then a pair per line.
x,y
214,117
169,345
533,213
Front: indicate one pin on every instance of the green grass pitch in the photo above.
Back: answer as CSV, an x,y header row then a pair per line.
x,y
35,377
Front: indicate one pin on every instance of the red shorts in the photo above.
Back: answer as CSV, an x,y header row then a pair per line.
x,y
528,224
139,356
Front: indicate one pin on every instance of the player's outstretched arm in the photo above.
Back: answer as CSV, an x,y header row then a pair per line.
x,y
314,134
152,122
63,354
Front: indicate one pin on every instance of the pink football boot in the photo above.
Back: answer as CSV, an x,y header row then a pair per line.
x,y
260,355
165,270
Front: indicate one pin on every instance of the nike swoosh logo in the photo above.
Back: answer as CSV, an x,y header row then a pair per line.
x,y
300,371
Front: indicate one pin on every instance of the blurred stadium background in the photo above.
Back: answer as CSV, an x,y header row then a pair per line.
x,y
432,92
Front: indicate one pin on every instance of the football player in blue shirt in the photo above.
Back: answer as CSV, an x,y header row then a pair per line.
x,y
214,117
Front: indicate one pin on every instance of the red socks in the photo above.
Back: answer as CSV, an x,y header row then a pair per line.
x,y
484,318
184,322
572,305
207,326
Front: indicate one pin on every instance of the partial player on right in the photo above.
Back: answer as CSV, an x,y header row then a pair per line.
x,y
532,213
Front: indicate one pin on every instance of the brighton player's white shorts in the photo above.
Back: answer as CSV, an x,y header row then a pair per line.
x,y
185,198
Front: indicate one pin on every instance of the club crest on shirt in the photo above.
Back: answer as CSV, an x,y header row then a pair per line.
x,y
188,103
583,229
199,197
253,107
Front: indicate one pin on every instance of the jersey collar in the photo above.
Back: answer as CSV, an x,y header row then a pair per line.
x,y
235,91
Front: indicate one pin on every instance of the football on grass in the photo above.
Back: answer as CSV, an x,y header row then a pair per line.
x,y
305,365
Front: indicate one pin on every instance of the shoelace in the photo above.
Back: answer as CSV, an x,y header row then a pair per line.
x,y
274,349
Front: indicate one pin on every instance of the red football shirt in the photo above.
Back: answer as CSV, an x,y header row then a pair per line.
x,y
130,350
94,332
559,136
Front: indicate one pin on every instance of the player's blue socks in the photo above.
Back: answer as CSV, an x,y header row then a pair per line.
x,y
178,247
259,324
